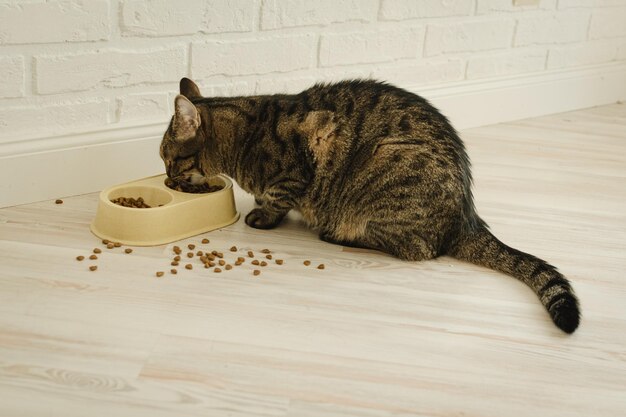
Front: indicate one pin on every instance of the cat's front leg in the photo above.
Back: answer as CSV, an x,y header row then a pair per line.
x,y
275,204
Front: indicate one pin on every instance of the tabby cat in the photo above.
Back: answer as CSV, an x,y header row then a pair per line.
x,y
365,163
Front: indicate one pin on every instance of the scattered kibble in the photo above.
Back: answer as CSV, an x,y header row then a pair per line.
x,y
189,266
189,254
268,256
217,270
221,262
199,253
279,261
93,267
128,250
219,254
191,246
97,250
307,263
233,248
93,257
58,201
321,266
80,258
117,244
256,272
228,267
211,264
250,254
110,245
205,241
255,262
176,250
105,241
263,263
241,259
173,271
159,274
237,263
266,251
174,263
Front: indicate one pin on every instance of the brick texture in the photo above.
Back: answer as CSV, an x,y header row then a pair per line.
x,y
54,21
71,65
401,9
12,79
469,35
253,56
569,26
109,69
277,14
368,47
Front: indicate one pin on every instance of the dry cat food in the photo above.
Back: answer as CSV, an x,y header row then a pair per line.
x,y
307,263
268,256
97,250
160,274
321,266
263,263
256,272
205,241
80,258
189,266
128,250
117,244
191,246
173,271
110,245
93,267
186,187
130,202
217,270
93,257
233,248
266,251
255,262
279,261
58,201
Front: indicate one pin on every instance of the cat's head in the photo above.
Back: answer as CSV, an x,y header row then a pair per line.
x,y
183,140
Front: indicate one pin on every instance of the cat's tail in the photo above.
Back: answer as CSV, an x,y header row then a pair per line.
x,y
480,247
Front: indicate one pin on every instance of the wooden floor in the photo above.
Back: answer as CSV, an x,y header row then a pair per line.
x,y
367,336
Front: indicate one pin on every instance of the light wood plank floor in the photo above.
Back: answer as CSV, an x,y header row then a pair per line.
x,y
367,336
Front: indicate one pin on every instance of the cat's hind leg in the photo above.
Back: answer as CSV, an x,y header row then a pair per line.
x,y
404,242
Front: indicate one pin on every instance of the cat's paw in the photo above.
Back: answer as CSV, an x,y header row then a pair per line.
x,y
258,201
260,219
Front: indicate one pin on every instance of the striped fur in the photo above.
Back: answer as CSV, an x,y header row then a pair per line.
x,y
367,164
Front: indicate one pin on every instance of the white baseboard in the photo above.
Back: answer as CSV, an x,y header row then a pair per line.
x,y
46,168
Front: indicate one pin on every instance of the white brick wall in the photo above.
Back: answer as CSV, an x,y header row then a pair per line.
x,y
80,65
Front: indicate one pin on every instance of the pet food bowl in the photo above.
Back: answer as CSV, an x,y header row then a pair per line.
x,y
174,215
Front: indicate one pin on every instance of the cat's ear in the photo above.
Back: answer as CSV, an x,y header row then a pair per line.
x,y
186,118
189,89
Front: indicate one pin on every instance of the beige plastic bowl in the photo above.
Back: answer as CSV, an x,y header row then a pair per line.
x,y
181,215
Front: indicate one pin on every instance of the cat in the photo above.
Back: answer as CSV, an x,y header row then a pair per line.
x,y
367,164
